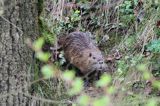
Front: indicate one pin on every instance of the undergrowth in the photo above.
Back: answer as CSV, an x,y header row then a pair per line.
x,y
127,31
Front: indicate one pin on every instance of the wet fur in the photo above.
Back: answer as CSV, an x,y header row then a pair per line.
x,y
80,51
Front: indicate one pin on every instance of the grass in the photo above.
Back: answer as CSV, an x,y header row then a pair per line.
x,y
127,36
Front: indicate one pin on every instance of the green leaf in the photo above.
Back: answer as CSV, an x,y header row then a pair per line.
x,y
47,71
1,12
74,104
110,90
77,12
154,46
77,87
156,84
83,100
103,101
147,75
142,67
136,2
104,80
49,37
37,45
43,56
68,75
151,102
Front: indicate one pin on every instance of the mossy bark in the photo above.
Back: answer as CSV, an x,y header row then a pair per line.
x,y
18,22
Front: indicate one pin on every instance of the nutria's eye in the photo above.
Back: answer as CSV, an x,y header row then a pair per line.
x,y
90,54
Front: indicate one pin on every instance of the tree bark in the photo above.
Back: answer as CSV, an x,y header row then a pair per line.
x,y
18,22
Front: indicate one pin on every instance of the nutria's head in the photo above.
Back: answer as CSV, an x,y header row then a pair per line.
x,y
94,61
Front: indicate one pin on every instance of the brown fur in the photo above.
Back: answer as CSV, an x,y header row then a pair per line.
x,y
80,51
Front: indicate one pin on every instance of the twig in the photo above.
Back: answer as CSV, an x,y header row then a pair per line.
x,y
12,24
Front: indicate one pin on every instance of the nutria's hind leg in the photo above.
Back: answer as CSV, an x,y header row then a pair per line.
x,y
86,79
89,78
94,77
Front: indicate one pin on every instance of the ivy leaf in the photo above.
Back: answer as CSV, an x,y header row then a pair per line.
x,y
103,101
104,80
77,87
151,102
47,71
77,12
43,56
83,100
110,90
68,75
154,46
37,45
156,84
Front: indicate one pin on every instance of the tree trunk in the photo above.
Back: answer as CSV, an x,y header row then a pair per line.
x,y
18,22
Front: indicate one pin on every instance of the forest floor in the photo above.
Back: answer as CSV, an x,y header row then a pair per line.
x,y
128,34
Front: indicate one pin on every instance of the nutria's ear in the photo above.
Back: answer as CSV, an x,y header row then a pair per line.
x,y
61,40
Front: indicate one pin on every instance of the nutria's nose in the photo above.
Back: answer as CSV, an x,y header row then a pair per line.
x,y
100,62
100,68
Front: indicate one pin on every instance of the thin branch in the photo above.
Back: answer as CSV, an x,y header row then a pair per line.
x,y
12,24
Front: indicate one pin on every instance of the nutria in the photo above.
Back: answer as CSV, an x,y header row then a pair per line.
x,y
80,51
